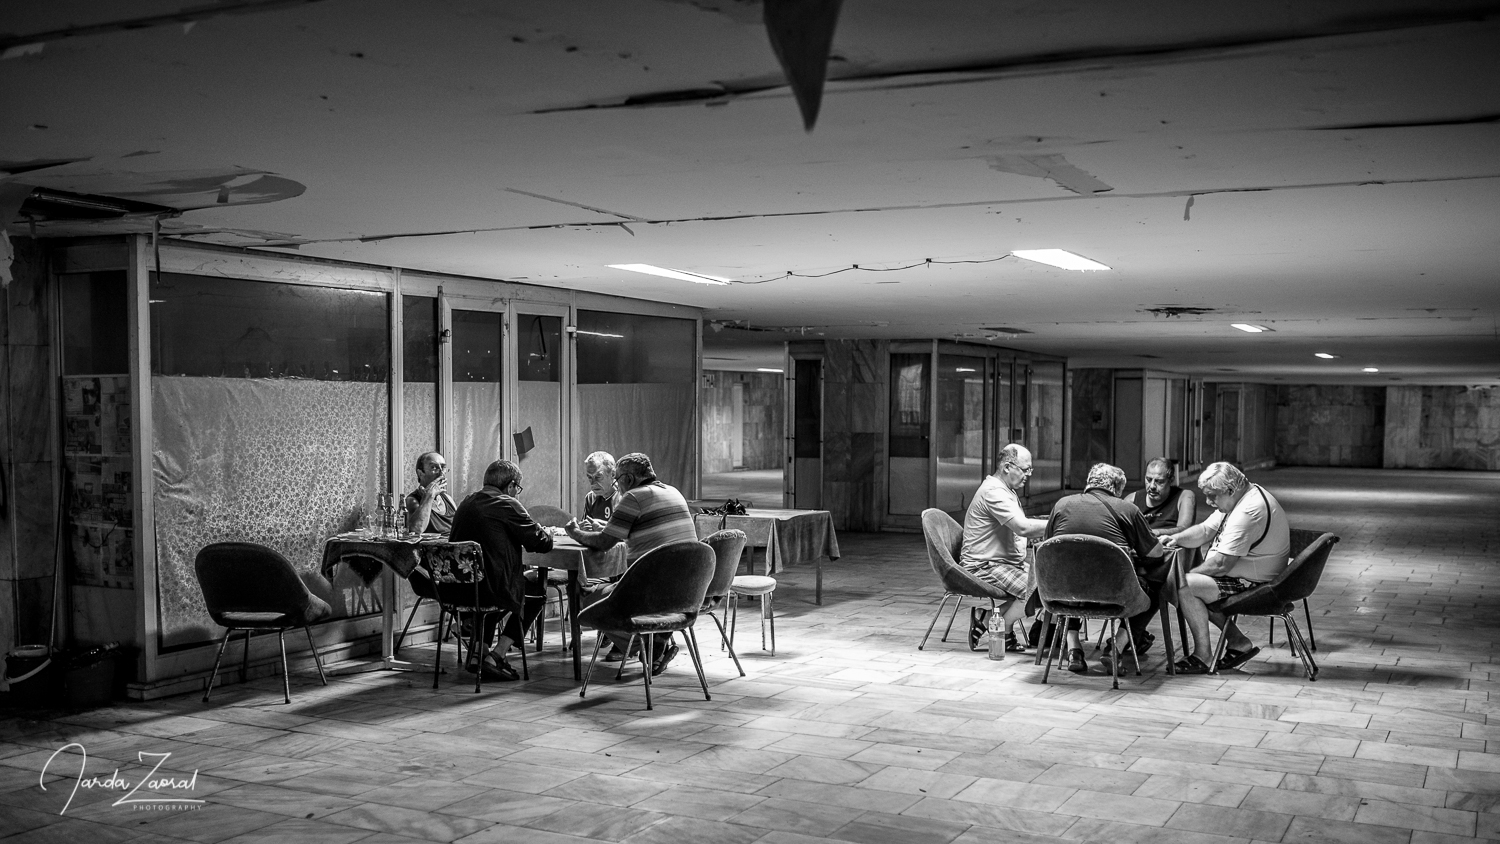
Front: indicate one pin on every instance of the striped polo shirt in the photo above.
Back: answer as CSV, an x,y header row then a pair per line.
x,y
649,517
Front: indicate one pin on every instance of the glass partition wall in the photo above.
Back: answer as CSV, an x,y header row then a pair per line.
x,y
953,406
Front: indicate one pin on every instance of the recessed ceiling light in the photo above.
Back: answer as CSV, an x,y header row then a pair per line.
x,y
1371,369
1324,356
1060,258
665,272
767,369
1249,327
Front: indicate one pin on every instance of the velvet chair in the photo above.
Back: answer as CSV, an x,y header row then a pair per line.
x,y
1087,577
458,581
1278,599
728,545
944,540
662,592
1301,538
251,587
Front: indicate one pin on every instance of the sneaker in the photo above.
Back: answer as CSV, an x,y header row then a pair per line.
x,y
1076,663
660,664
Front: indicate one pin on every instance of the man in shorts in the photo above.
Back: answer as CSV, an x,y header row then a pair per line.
x,y
995,534
1249,543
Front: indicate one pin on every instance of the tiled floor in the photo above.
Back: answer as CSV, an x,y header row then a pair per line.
x,y
850,733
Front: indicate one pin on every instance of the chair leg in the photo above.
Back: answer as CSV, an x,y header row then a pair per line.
x,y
437,658
952,618
1271,631
1043,643
222,645
1223,642
725,637
1054,648
734,615
937,615
629,646
768,613
1114,664
1295,632
1307,613
1130,636
521,646
1166,637
692,642
648,646
598,641
286,676
316,658
396,648
474,628
245,661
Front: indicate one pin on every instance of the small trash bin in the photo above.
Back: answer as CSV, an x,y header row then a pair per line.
x,y
30,671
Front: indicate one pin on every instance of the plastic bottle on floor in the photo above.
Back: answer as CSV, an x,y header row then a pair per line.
x,y
997,635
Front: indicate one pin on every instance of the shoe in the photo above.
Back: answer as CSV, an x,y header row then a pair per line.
x,y
660,664
615,654
1143,643
976,627
496,671
1076,663
1233,659
1013,645
1191,665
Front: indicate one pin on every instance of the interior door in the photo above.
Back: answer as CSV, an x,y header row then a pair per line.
x,y
539,414
807,434
473,415
961,424
1228,424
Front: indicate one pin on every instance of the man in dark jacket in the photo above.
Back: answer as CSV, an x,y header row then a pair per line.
x,y
502,527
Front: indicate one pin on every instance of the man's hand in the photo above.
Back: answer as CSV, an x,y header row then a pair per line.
x,y
430,490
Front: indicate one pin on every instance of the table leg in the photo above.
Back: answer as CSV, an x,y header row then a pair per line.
x,y
575,599
818,587
388,658
541,619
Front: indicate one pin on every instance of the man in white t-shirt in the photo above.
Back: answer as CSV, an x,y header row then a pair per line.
x,y
995,534
1251,543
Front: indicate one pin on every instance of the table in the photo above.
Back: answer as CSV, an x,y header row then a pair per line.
x,y
789,537
371,556
579,562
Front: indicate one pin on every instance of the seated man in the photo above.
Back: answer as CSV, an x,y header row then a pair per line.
x,y
1099,511
994,547
1251,544
599,502
1167,508
429,507
502,527
648,514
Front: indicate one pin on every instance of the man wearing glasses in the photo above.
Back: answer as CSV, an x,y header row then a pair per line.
x,y
995,534
1250,543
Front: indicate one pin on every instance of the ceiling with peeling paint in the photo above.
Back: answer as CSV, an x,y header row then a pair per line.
x,y
1330,170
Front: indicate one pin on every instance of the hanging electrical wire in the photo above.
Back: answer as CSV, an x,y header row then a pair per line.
x,y
926,262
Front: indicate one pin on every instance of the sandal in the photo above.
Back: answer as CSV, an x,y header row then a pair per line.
x,y
1191,665
976,627
1012,645
1233,659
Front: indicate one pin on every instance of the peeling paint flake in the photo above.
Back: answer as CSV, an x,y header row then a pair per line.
x,y
1053,167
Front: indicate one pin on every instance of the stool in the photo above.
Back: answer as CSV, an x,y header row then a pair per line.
x,y
751,586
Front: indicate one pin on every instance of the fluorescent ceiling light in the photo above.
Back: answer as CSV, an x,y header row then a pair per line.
x,y
1371,369
1324,356
1245,326
963,369
1060,258
764,369
599,334
664,272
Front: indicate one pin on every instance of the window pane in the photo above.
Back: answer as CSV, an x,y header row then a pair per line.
x,y
616,348
230,328
909,404
538,347
960,430
419,340
94,323
476,346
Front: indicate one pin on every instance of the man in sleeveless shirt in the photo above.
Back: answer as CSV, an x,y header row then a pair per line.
x,y
429,507
1168,508
1249,542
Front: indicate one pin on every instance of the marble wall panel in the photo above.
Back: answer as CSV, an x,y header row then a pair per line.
x,y
32,435
868,360
838,363
862,449
866,412
34,598
33,513
7,540
27,319
836,415
1329,425
837,456
7,600
1441,427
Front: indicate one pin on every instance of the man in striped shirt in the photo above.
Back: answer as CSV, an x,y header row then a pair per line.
x,y
648,514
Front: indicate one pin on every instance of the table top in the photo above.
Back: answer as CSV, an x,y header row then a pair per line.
x,y
366,551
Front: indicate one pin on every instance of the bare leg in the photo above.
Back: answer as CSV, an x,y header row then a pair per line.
x,y
1201,590
1237,640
